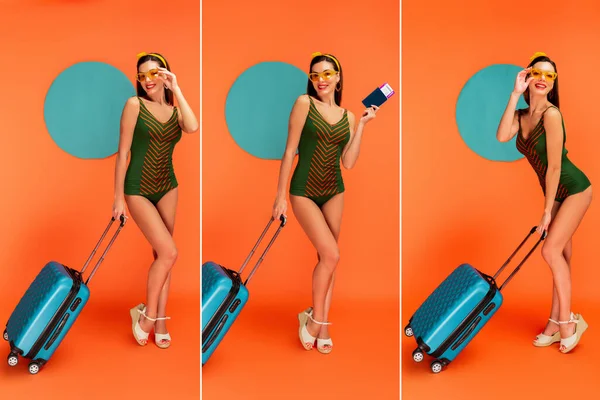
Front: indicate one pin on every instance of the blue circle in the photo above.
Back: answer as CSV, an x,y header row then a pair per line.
x,y
479,108
83,109
258,107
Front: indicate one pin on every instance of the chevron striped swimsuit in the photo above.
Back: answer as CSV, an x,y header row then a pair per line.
x,y
572,179
150,173
318,175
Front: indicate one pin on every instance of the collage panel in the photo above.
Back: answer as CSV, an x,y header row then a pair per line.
x,y
100,140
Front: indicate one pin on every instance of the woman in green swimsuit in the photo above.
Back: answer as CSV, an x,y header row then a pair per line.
x,y
150,127
323,133
541,138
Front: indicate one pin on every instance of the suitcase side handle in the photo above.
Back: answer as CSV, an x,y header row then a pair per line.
x,y
518,267
112,220
283,220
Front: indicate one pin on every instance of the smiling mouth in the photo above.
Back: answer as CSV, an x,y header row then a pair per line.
x,y
150,86
322,87
540,86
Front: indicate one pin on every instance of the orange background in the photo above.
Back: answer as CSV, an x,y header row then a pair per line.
x,y
459,207
55,206
239,190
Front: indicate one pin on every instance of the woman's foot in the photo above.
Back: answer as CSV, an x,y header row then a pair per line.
x,y
307,331
161,334
570,332
141,324
549,336
324,342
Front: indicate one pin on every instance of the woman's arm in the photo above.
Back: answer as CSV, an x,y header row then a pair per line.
x,y
187,118
509,124
554,147
128,121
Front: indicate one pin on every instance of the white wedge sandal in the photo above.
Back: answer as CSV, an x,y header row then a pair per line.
x,y
324,346
542,340
138,333
307,340
569,343
162,340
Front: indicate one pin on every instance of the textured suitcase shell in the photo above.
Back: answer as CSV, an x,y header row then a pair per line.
x,y
216,285
449,305
450,354
39,305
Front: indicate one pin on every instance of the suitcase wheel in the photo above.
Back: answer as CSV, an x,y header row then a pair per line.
x,y
436,367
34,367
418,355
13,359
408,331
5,335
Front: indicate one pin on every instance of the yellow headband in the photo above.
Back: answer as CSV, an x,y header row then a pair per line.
x,y
538,54
142,54
326,55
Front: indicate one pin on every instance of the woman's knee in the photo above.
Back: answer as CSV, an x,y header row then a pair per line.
x,y
551,253
168,254
330,257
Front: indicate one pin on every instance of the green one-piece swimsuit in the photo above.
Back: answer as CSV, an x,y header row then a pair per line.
x,y
150,173
572,179
318,175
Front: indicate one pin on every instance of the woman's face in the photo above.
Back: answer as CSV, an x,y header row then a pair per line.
x,y
543,74
324,77
148,77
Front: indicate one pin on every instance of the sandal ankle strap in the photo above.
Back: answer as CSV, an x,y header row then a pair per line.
x,y
551,320
162,318
572,319
143,312
317,322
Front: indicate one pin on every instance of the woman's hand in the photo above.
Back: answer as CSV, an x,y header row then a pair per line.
x,y
119,209
279,208
369,114
544,223
522,83
169,79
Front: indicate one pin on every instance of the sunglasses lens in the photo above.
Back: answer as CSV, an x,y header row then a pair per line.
x,y
140,77
313,77
153,73
327,75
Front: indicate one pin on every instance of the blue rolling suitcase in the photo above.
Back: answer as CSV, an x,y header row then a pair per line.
x,y
457,310
224,295
48,309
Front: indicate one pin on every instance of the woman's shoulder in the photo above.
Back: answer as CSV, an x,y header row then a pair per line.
x,y
552,109
303,99
302,103
133,101
552,114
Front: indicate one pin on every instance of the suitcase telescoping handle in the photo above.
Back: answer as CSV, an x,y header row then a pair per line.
x,y
112,220
283,222
512,274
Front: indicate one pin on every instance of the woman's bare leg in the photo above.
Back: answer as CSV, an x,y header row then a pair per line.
x,y
148,219
332,211
167,207
313,222
566,222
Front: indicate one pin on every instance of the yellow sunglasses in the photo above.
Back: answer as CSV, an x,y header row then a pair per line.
x,y
326,75
537,74
151,74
